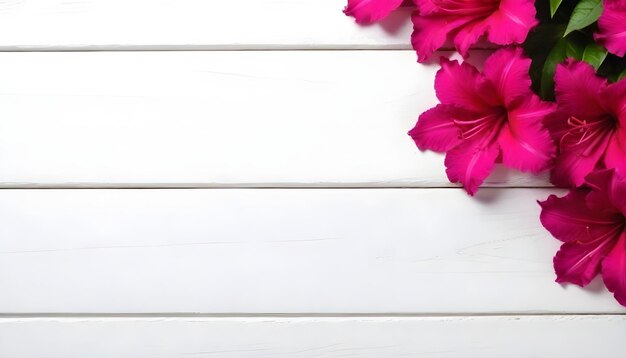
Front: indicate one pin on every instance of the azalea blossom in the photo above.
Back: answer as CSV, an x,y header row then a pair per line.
x,y
465,21
612,27
589,128
486,117
591,222
368,11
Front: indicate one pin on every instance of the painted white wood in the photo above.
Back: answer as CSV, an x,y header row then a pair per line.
x,y
281,251
192,24
277,118
367,337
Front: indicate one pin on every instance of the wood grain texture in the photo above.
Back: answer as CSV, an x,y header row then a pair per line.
x,y
367,337
192,24
281,251
191,267
281,118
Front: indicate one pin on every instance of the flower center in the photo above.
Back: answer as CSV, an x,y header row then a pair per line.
x,y
608,235
487,126
587,133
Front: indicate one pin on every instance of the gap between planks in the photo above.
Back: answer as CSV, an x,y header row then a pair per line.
x,y
209,48
299,315
238,186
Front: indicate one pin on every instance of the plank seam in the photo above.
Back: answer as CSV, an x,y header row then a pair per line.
x,y
200,187
303,315
207,48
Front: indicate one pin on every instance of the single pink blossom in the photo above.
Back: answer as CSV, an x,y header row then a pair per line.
x,y
612,27
368,11
465,21
486,117
591,221
589,125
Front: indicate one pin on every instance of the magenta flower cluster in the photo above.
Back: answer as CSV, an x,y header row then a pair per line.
x,y
494,116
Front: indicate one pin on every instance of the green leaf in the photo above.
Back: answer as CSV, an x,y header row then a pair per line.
x,y
542,38
555,56
554,6
594,55
622,75
564,48
612,67
538,45
574,47
585,13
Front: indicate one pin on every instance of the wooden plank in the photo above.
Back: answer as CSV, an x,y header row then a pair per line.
x,y
192,24
277,118
160,337
281,251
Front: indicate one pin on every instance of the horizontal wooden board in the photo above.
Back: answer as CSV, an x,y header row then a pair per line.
x,y
367,337
277,118
281,251
192,24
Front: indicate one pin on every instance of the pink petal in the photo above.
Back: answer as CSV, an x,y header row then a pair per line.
x,y
588,222
468,35
505,22
471,162
614,270
368,11
430,32
569,219
613,99
525,144
511,22
600,182
462,85
427,7
557,125
612,27
583,127
574,163
579,263
578,90
508,70
435,129
608,193
615,155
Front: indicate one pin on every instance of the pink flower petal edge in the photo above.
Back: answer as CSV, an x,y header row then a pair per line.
x,y
591,221
503,22
368,11
612,27
589,128
485,116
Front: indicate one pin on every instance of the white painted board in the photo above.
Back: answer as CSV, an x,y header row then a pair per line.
x,y
189,267
282,251
192,24
273,118
333,337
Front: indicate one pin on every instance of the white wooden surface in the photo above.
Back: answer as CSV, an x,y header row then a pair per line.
x,y
274,118
192,24
369,337
281,251
361,249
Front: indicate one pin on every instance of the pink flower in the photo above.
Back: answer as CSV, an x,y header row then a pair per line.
x,y
465,21
486,117
589,128
612,27
591,222
368,11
